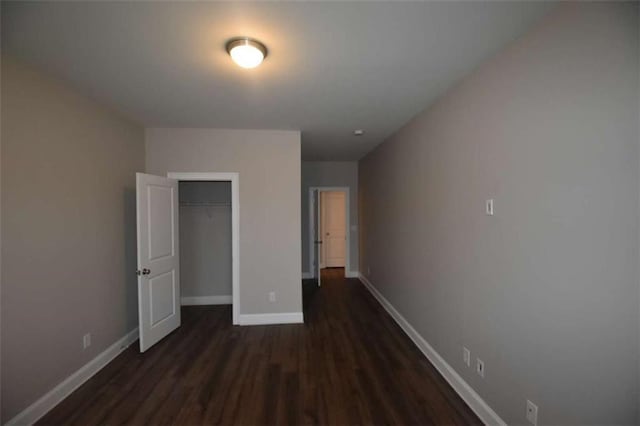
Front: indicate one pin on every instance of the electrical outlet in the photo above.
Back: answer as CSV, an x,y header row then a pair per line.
x,y
86,341
532,413
489,207
480,367
466,356
272,296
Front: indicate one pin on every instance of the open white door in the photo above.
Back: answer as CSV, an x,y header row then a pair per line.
x,y
317,235
158,258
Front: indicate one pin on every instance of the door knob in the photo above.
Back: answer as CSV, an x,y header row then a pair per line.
x,y
145,271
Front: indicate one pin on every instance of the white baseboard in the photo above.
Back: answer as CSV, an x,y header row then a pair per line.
x,y
42,406
265,319
466,392
307,275
206,300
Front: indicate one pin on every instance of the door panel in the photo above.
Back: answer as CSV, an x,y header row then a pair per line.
x,y
158,258
162,291
159,226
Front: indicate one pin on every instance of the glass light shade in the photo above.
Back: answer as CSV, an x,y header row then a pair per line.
x,y
246,52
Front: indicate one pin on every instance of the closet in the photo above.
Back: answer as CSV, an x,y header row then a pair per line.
x,y
205,242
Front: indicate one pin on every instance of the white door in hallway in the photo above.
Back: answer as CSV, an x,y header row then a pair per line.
x,y
333,229
158,258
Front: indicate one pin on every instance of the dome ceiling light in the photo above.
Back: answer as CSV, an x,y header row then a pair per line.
x,y
246,52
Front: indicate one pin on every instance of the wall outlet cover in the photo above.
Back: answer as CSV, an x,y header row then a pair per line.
x,y
489,207
480,367
532,413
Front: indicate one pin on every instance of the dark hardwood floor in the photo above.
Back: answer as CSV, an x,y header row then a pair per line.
x,y
348,364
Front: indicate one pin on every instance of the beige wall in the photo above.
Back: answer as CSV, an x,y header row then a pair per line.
x,y
545,292
268,163
68,231
330,173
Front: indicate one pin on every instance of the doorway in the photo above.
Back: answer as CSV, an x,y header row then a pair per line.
x,y
158,232
329,220
205,242
232,179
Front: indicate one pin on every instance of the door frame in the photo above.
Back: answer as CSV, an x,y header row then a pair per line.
x,y
234,178
347,207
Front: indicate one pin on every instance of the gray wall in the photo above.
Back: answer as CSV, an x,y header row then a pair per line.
x,y
330,173
268,163
68,231
545,292
205,239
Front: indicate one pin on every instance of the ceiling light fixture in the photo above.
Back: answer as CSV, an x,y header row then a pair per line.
x,y
246,52
358,132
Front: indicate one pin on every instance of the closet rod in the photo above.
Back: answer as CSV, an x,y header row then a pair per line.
x,y
203,204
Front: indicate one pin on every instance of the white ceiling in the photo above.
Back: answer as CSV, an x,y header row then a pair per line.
x,y
332,66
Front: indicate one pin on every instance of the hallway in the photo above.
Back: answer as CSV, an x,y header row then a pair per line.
x,y
348,364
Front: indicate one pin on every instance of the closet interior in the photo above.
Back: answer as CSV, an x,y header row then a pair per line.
x,y
205,242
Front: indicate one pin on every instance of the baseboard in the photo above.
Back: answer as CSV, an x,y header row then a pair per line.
x,y
266,319
307,275
466,392
352,274
206,300
42,406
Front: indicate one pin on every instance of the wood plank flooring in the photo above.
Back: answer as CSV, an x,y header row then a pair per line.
x,y
348,364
